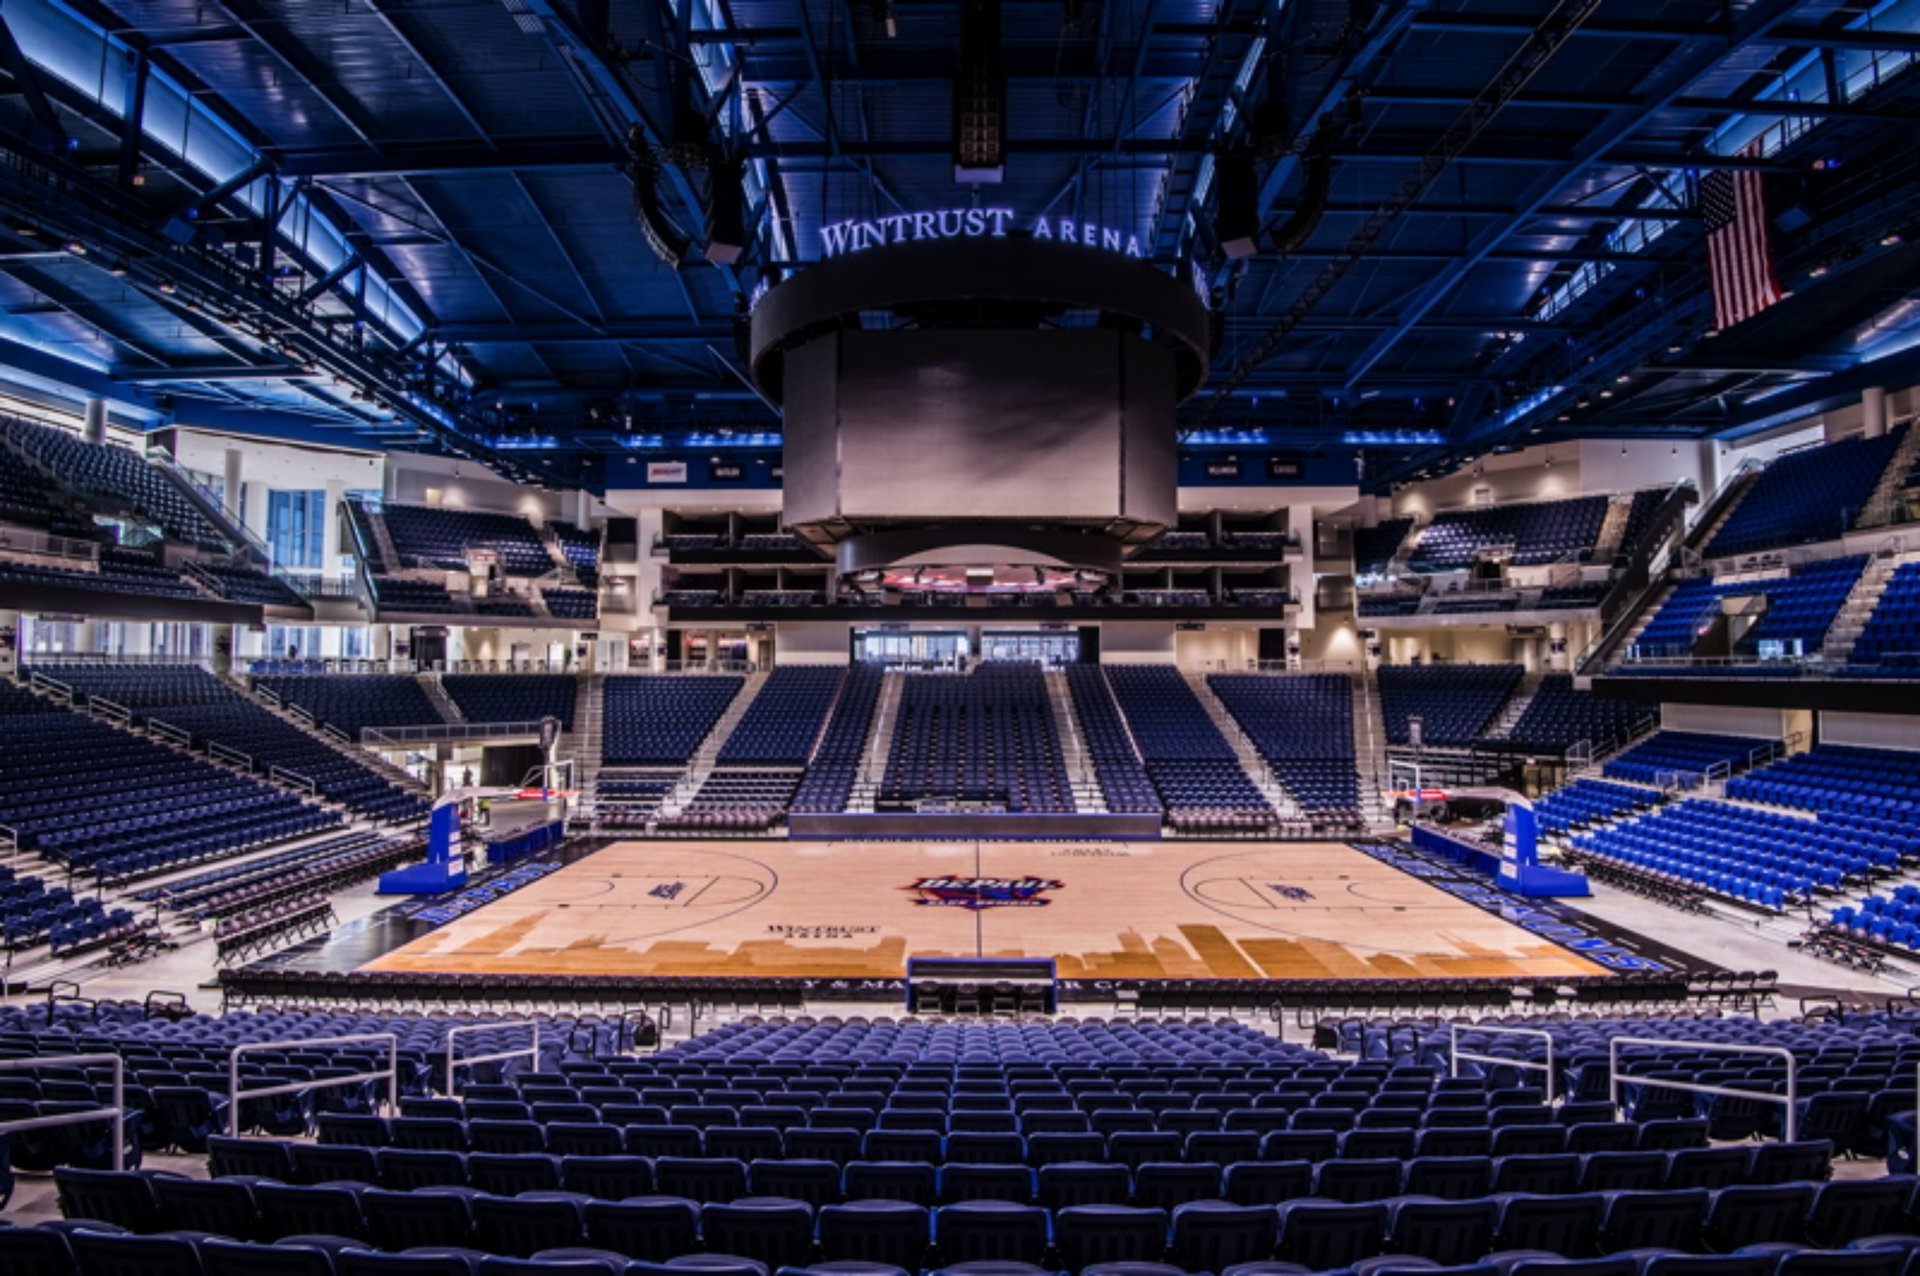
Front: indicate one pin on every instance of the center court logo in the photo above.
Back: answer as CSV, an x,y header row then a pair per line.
x,y
976,893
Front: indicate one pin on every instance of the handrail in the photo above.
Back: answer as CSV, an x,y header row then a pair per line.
x,y
167,731
1455,1055
442,732
102,707
529,1052
230,755
62,692
117,1113
293,779
391,1073
1791,1099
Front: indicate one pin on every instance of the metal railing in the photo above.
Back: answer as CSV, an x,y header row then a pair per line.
x,y
61,692
15,540
1791,1099
1455,1054
117,1113
230,755
167,731
444,732
293,779
390,1074
529,1052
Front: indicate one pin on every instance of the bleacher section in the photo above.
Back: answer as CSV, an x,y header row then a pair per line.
x,y
353,702
659,720
428,537
1559,597
1374,547
1640,516
1390,605
115,806
400,593
737,801
1862,797
1772,860
1891,638
1801,609
1535,533
1559,716
974,1149
1841,780
245,584
571,604
1123,781
33,913
581,548
836,761
783,723
191,699
1674,629
1192,766
1685,753
512,697
119,477
1455,702
1587,802
633,797
1810,495
1302,724
986,737
112,577
25,499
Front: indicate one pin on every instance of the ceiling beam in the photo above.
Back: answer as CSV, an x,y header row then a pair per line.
x,y
1847,38
1668,83
558,156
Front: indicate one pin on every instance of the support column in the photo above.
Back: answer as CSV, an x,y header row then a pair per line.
x,y
330,530
230,487
96,426
1873,410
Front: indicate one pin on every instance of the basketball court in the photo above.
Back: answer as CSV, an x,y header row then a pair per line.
x,y
1158,910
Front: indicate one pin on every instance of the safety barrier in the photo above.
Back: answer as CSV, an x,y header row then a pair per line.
x,y
1455,1054
390,1074
117,1113
530,1052
1791,1099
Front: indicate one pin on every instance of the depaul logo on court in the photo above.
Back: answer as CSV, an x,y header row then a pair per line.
x,y
976,893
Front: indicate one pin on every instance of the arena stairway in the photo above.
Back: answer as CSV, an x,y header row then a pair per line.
x,y
588,717
1087,794
1243,749
436,693
1516,705
1370,750
1888,501
700,765
1722,505
873,765
375,524
1613,529
1851,619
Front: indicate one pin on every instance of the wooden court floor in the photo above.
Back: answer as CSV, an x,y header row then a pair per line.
x,y
1166,910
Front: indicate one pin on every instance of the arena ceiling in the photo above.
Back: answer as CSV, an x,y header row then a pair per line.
x,y
420,222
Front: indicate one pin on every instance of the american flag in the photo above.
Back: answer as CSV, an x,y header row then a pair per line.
x,y
1733,210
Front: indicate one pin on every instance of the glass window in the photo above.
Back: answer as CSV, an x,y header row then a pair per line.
x,y
296,529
